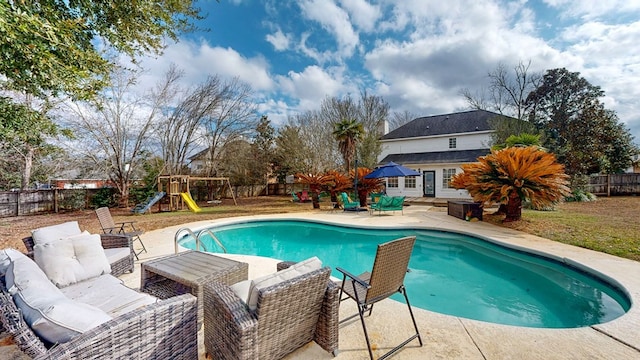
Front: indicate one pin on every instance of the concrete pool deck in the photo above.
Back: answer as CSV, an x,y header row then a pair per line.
x,y
444,336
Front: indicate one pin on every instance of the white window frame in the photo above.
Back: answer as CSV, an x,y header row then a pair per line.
x,y
447,174
410,182
453,143
392,182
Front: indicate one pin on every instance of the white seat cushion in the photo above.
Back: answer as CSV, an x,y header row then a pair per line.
x,y
115,254
72,259
108,294
50,314
291,272
55,232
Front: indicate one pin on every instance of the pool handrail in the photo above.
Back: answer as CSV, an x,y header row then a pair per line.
x,y
197,239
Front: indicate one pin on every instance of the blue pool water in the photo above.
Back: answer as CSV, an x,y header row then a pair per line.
x,y
451,273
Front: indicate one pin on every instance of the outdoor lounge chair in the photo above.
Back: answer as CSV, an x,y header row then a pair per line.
x,y
347,203
288,315
126,228
387,277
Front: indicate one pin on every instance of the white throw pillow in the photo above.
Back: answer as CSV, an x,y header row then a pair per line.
x,y
72,259
46,310
289,273
55,232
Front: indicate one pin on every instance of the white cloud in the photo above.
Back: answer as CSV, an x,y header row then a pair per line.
x,y
335,21
279,40
593,9
364,15
312,85
201,60
611,61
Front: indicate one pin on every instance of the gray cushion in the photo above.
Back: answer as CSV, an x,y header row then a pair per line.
x,y
115,254
55,232
46,310
289,273
72,259
109,294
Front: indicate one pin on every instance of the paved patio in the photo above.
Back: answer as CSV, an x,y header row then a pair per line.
x,y
444,336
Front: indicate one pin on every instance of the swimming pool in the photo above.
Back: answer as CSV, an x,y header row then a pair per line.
x,y
451,273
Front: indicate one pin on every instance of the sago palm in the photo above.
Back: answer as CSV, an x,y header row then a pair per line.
x,y
338,182
316,182
366,186
512,175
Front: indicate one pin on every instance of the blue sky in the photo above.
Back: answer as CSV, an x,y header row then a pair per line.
x,y
416,54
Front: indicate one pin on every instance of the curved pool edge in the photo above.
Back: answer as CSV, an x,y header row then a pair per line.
x,y
589,340
577,265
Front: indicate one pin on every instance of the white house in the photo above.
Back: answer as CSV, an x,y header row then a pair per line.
x,y
436,147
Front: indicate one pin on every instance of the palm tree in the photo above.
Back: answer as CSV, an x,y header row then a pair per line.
x,y
348,133
512,175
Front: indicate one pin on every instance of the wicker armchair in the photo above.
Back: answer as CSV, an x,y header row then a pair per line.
x,y
109,241
163,330
289,315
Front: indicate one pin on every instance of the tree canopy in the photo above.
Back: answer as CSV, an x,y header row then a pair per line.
x,y
586,137
58,47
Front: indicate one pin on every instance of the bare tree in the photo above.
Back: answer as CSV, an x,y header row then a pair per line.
x,y
115,127
316,132
232,118
399,118
179,128
507,92
373,113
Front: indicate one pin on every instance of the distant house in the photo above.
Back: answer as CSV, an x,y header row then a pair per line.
x,y
200,162
436,146
79,183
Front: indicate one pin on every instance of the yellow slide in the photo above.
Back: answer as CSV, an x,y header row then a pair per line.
x,y
190,203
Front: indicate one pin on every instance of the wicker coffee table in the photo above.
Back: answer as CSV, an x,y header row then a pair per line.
x,y
186,272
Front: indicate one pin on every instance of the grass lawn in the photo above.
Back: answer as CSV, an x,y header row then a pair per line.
x,y
609,225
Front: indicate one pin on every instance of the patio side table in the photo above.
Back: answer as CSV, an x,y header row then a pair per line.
x,y
187,272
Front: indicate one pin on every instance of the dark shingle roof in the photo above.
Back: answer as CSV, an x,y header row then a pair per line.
x,y
436,157
461,122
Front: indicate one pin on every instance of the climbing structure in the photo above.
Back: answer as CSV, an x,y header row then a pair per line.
x,y
175,185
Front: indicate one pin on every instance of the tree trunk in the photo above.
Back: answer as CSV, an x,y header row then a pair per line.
x,y
28,165
362,197
502,210
514,208
315,199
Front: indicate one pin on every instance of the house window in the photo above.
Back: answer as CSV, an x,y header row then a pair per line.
x,y
392,182
447,174
410,182
452,143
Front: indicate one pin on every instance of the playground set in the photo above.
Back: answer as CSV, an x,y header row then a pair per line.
x,y
177,188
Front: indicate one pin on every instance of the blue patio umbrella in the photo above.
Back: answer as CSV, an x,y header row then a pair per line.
x,y
391,170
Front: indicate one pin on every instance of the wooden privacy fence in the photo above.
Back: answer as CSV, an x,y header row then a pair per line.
x,y
615,184
31,202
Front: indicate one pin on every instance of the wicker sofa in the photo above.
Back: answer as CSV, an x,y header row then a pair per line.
x,y
138,325
118,249
288,315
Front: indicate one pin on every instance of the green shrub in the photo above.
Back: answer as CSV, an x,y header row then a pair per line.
x,y
73,200
105,196
580,195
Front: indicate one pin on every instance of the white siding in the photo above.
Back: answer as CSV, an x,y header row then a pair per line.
x,y
441,192
467,141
